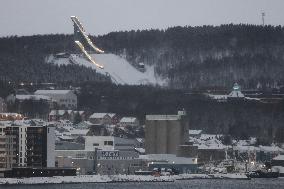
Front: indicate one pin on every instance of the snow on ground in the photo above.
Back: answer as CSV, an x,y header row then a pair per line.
x,y
121,71
86,179
116,178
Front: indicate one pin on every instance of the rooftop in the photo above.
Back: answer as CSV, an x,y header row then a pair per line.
x,y
279,157
98,115
38,92
128,120
170,158
194,132
163,117
35,97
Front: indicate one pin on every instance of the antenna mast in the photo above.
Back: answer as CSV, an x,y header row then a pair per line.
x,y
263,15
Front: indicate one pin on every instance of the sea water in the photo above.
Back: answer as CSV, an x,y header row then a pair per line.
x,y
184,184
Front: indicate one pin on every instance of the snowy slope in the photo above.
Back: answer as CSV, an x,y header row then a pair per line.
x,y
121,71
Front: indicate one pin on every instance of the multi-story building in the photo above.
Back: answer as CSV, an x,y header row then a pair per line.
x,y
27,146
66,99
7,143
165,133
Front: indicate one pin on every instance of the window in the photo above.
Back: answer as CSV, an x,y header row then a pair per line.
x,y
96,144
108,143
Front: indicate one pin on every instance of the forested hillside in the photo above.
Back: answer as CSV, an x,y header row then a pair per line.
x,y
240,120
191,57
200,57
22,59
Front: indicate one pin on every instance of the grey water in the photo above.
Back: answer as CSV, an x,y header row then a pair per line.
x,y
192,184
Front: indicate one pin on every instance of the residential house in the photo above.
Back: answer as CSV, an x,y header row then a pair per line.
x,y
129,121
100,118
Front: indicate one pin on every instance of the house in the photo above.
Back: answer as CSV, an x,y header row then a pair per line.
x,y
195,133
70,115
129,121
114,118
100,118
81,114
56,115
66,99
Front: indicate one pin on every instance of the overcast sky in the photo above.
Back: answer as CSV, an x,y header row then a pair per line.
x,y
28,17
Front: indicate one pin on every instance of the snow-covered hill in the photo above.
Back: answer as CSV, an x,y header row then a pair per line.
x,y
120,71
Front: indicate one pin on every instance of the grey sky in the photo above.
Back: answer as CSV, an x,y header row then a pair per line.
x,y
27,17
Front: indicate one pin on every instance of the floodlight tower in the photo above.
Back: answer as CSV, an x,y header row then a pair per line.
x,y
263,15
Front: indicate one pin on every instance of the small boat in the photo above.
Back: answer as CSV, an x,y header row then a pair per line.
x,y
263,174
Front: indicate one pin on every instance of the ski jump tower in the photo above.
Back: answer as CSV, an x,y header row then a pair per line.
x,y
80,38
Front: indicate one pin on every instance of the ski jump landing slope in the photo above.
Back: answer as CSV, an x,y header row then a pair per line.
x,y
120,71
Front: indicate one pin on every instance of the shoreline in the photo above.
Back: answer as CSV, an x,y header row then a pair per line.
x,y
116,179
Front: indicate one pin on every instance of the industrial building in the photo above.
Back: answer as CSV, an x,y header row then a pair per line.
x,y
101,155
165,133
170,161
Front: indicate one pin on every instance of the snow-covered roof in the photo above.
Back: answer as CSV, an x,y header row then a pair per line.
x,y
57,112
82,132
241,148
210,136
111,115
43,92
140,140
170,158
279,157
80,112
128,120
211,146
64,137
88,123
140,150
194,132
52,112
271,149
98,115
218,97
35,97
249,142
236,94
163,117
